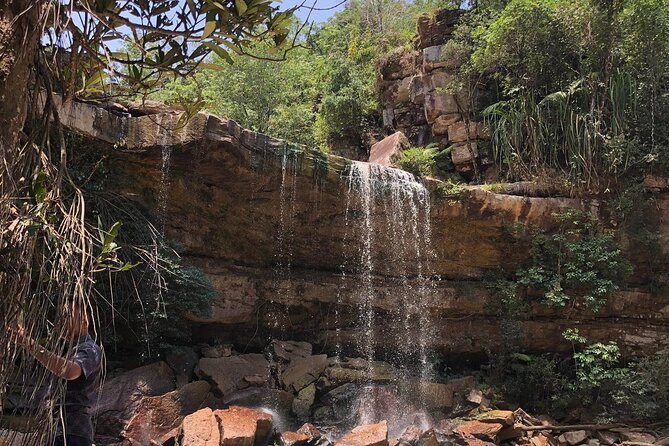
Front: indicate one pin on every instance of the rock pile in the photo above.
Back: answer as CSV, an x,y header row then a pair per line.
x,y
415,90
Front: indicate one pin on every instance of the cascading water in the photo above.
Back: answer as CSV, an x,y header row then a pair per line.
x,y
389,209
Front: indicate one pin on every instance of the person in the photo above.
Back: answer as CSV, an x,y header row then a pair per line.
x,y
82,369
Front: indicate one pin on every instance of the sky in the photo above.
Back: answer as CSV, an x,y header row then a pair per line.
x,y
323,9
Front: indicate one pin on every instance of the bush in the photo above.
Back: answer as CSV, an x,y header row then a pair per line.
x,y
418,160
576,263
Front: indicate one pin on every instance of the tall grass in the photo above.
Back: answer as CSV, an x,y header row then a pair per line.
x,y
579,131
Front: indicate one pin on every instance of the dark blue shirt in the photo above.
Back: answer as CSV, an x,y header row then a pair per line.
x,y
81,394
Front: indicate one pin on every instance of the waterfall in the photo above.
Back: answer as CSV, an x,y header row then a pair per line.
x,y
388,210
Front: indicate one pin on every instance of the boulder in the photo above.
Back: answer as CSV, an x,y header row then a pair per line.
x,y
440,80
303,401
607,437
303,371
293,439
397,65
217,351
457,132
121,395
242,426
637,437
157,418
287,351
395,92
540,440
310,431
436,395
200,429
573,438
228,374
461,155
504,417
274,399
428,438
410,435
435,28
441,103
443,122
477,429
437,57
366,435
419,86
387,151
183,362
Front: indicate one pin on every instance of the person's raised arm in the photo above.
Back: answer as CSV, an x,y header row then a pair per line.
x,y
54,363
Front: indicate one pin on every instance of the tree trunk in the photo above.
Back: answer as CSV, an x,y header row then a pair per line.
x,y
20,31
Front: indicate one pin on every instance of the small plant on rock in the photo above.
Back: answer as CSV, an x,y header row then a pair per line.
x,y
418,160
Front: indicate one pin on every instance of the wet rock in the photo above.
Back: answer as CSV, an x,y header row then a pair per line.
x,y
428,438
303,371
275,399
157,418
366,435
228,374
217,351
503,417
303,401
310,431
607,437
293,439
200,429
483,431
410,435
357,370
387,151
437,395
288,351
183,362
122,394
242,426
572,438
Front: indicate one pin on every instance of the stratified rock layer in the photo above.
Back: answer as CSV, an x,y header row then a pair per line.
x,y
225,211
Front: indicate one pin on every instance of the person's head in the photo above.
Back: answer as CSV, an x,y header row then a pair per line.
x,y
73,321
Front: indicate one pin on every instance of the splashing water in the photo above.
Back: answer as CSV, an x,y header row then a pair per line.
x,y
392,210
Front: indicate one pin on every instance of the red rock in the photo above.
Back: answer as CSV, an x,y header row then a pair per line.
x,y
157,418
293,439
303,371
310,430
387,151
483,431
228,374
242,426
200,429
540,440
366,435
457,132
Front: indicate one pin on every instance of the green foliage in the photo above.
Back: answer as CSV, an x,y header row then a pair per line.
x,y
418,160
578,96
576,264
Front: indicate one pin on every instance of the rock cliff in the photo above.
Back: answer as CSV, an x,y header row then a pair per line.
x,y
239,203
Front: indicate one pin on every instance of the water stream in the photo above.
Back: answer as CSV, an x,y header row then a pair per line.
x,y
387,223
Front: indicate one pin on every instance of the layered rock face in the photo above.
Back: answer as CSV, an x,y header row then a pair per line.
x,y
268,223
